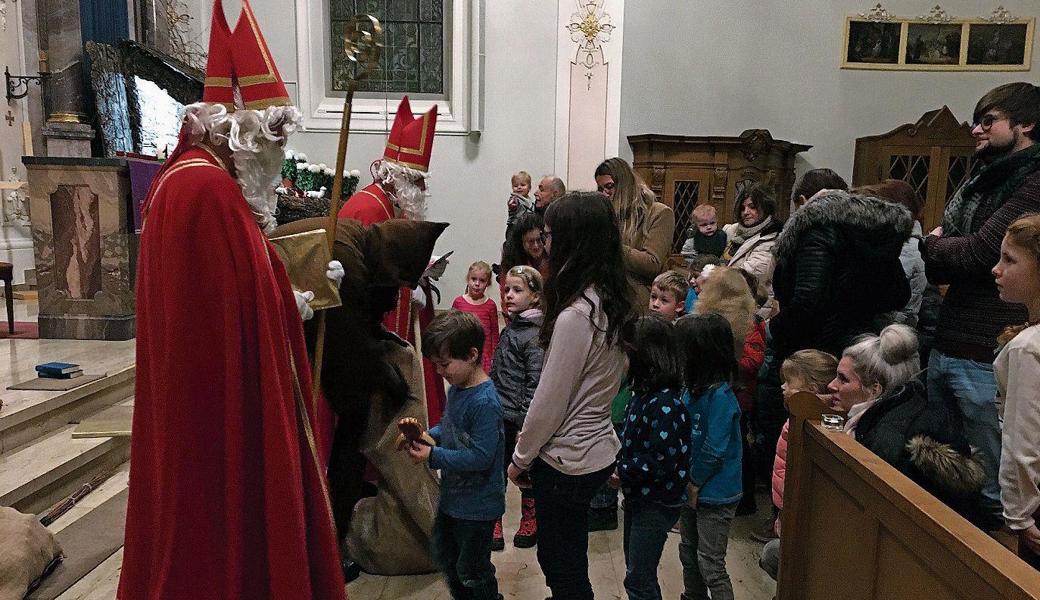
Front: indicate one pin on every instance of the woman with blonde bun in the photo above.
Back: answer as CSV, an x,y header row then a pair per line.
x,y
889,413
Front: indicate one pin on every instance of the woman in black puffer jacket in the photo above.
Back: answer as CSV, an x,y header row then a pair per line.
x,y
889,413
837,267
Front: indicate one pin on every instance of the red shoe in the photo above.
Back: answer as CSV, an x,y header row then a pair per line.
x,y
527,535
497,541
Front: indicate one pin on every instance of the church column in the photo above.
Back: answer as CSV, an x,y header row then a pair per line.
x,y
588,87
67,132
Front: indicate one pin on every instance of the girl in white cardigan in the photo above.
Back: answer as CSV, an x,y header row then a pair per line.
x,y
1017,369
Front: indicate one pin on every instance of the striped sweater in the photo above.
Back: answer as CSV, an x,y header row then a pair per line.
x,y
972,314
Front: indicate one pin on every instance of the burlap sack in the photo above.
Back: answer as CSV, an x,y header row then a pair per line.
x,y
26,550
390,533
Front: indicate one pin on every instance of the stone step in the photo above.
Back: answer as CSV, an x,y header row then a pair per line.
x,y
37,475
29,415
99,584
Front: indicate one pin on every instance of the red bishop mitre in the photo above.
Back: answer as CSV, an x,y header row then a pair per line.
x,y
411,140
239,61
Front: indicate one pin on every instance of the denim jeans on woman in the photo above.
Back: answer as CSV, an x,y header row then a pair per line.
x,y
646,530
563,538
702,551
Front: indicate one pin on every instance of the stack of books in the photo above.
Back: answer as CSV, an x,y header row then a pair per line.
x,y
58,370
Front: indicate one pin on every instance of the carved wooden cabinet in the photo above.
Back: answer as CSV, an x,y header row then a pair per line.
x,y
685,171
934,155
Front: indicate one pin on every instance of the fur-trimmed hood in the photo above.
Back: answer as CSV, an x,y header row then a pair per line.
x,y
869,226
952,471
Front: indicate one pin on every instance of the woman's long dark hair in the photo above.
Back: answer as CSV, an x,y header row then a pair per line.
x,y
707,342
654,359
513,252
586,252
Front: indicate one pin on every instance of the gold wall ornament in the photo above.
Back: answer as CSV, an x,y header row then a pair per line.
x,y
1001,16
937,16
590,28
878,14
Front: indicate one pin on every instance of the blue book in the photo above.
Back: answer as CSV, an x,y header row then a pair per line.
x,y
57,368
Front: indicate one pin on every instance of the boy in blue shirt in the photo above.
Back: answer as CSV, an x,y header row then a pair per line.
x,y
469,456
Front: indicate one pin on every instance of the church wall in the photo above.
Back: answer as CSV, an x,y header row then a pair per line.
x,y
718,68
470,174
15,241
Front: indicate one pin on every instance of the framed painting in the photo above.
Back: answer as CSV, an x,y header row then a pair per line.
x,y
869,44
927,45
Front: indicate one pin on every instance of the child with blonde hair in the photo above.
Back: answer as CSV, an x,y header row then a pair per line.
x,y
1017,370
516,369
803,371
520,202
668,294
478,304
705,236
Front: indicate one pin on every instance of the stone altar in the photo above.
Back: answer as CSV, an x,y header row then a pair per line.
x,y
85,246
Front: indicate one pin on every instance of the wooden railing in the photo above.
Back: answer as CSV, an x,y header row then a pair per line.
x,y
854,528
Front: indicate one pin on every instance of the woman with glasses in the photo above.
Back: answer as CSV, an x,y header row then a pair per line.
x,y
524,246
567,446
646,225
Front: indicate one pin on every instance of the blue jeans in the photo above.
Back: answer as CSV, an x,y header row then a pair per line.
x,y
646,530
462,551
972,385
563,520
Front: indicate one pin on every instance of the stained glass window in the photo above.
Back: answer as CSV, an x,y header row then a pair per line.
x,y
413,56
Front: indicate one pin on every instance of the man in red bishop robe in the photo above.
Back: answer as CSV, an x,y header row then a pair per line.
x,y
399,191
228,498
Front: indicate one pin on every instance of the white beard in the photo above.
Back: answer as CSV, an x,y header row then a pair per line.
x,y
256,140
407,195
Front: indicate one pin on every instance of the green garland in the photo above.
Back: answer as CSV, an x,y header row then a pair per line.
x,y
303,178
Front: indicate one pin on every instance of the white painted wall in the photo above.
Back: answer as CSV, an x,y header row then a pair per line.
x,y
470,174
15,241
719,67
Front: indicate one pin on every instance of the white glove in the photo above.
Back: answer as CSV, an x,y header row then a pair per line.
x,y
302,298
419,298
335,272
434,270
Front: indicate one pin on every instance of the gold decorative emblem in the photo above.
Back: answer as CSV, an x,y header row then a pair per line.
x,y
1001,16
590,28
363,44
937,16
878,14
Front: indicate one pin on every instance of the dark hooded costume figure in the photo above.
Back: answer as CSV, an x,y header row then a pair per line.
x,y
372,379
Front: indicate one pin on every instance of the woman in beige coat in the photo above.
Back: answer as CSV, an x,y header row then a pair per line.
x,y
646,225
754,234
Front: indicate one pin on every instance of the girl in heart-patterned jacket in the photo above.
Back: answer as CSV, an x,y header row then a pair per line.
x,y
653,464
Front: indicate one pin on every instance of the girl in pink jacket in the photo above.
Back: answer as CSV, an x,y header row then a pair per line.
x,y
803,371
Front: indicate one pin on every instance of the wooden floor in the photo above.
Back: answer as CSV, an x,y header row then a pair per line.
x,y
54,451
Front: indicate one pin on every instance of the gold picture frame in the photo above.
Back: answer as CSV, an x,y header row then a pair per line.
x,y
923,45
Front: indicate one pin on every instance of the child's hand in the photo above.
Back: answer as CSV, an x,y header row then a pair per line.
x,y
691,495
520,479
614,481
514,203
419,453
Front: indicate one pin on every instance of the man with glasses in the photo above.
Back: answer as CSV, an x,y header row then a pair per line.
x,y
1003,185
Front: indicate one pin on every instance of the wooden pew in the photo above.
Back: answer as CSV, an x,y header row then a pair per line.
x,y
854,528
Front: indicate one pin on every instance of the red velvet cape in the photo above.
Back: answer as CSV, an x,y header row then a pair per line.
x,y
226,496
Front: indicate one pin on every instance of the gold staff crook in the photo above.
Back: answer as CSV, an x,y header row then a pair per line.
x,y
363,45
